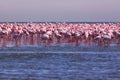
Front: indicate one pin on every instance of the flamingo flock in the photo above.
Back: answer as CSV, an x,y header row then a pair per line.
x,y
38,33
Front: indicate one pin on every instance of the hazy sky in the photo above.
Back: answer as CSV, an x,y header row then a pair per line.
x,y
60,10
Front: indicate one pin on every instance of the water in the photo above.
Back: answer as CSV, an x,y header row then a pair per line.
x,y
62,22
59,63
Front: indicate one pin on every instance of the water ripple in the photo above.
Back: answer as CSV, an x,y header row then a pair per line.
x,y
57,66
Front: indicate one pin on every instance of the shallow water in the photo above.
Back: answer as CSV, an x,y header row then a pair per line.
x,y
64,62
58,61
30,58
53,66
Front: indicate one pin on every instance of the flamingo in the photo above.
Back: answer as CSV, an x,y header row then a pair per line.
x,y
77,35
48,31
45,37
